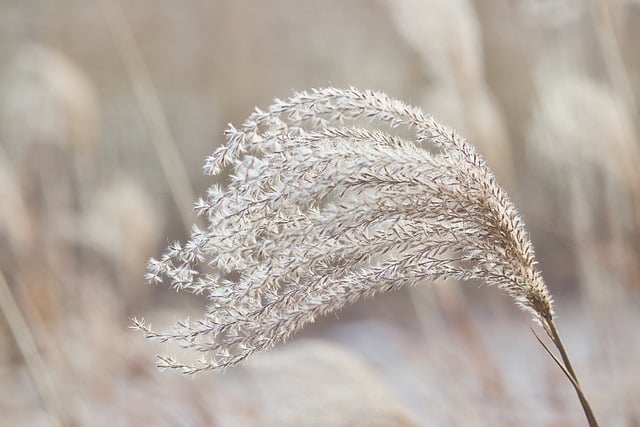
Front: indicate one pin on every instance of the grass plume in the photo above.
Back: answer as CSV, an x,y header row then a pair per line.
x,y
316,215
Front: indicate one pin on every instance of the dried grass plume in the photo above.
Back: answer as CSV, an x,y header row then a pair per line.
x,y
317,214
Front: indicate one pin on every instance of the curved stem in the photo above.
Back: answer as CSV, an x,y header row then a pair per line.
x,y
568,370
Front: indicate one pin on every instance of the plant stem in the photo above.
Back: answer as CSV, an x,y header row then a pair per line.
x,y
36,367
555,337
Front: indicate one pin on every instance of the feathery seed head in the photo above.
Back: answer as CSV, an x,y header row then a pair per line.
x,y
318,214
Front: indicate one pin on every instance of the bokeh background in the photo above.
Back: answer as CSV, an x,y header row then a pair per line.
x,y
108,109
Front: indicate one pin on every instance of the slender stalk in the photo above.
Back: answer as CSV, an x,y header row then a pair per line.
x,y
401,215
36,367
145,91
569,371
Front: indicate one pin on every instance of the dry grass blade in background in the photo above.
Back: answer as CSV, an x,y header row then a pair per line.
x,y
37,368
316,215
151,107
455,87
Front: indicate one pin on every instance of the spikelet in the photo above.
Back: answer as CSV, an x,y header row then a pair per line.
x,y
317,215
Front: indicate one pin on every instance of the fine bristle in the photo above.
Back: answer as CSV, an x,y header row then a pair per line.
x,y
318,214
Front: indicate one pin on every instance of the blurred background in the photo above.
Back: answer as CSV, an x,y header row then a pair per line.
x,y
108,109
